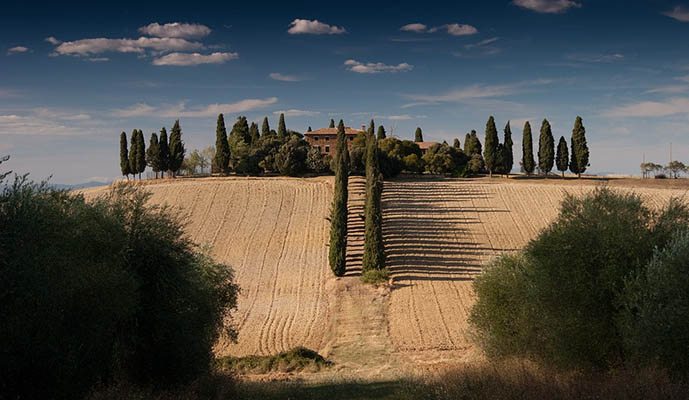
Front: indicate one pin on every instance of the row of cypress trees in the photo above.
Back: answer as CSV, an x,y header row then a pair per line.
x,y
161,155
374,252
338,219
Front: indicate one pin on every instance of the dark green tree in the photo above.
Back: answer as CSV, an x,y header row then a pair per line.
x,y
562,156
176,149
308,129
253,133
507,154
374,253
163,152
222,148
265,128
546,148
152,154
133,141
381,132
140,152
240,129
490,150
456,144
418,135
528,163
282,129
332,123
124,155
338,219
579,149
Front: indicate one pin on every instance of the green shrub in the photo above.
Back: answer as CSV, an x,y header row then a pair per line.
x,y
564,294
375,276
295,360
655,316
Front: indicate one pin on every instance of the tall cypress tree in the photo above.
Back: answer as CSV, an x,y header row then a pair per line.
x,y
467,144
240,129
163,152
140,152
374,253
338,219
152,154
332,123
562,156
265,128
418,135
222,147
381,132
253,133
282,129
133,141
456,144
490,149
579,149
528,163
507,155
176,149
546,148
124,155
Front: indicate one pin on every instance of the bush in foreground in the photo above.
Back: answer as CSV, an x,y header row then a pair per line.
x,y
295,360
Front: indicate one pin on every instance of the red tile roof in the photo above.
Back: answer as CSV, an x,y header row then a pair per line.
x,y
425,145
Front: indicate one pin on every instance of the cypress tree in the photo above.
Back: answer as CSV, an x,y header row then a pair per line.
x,y
176,149
546,148
490,151
332,123
528,163
508,155
467,144
133,141
240,129
579,149
374,253
309,129
124,155
163,152
338,219
418,135
140,152
456,144
253,133
282,129
476,144
152,154
562,156
265,128
381,132
222,147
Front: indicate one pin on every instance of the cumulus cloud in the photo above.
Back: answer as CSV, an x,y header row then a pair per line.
x,y
48,121
284,78
17,50
455,29
181,110
189,59
176,30
417,27
472,92
52,40
678,13
375,68
84,47
547,6
315,27
666,108
297,113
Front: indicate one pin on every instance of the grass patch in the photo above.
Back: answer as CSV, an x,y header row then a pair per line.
x,y
296,360
375,276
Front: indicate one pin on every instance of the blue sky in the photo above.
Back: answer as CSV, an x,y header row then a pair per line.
x,y
73,76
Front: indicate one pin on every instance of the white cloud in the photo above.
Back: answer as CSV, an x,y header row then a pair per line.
x,y
482,43
180,110
190,59
17,49
284,78
47,121
669,89
52,40
547,6
456,29
315,27
297,113
678,14
84,47
472,92
672,106
684,78
417,27
64,115
176,30
374,68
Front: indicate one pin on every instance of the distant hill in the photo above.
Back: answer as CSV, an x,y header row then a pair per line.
x,y
61,186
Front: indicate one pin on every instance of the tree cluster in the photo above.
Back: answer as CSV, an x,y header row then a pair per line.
x,y
162,155
673,168
576,157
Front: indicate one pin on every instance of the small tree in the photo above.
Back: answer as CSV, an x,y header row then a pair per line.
x,y
528,163
163,152
418,135
176,149
222,148
282,129
338,218
381,132
546,148
152,154
562,156
124,155
675,168
332,123
456,144
490,150
579,149
265,128
507,155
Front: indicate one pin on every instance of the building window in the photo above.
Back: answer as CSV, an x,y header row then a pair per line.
x,y
327,149
327,138
351,138
315,138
